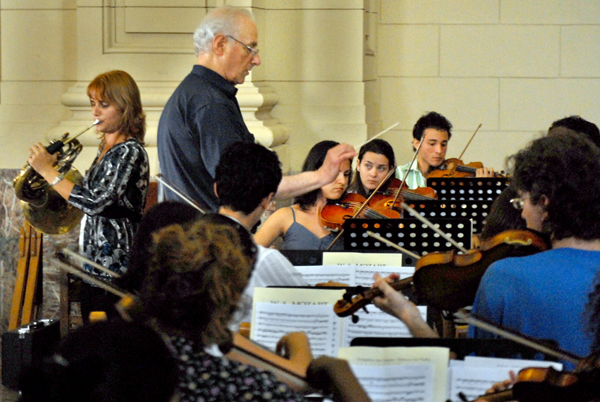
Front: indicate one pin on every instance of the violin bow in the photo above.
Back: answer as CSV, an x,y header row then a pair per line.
x,y
363,206
168,184
90,263
356,148
433,227
486,325
469,143
392,244
80,273
408,171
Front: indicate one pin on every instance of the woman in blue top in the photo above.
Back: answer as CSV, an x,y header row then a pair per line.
x,y
300,225
113,192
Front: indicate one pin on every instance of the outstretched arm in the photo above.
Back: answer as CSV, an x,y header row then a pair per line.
x,y
396,304
302,183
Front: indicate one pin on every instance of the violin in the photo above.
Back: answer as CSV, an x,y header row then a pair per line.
x,y
419,193
350,305
247,352
454,167
548,384
335,214
448,280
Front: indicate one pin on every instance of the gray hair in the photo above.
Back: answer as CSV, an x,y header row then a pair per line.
x,y
223,20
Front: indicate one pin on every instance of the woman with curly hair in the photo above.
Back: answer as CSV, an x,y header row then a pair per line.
x,y
113,192
544,295
196,277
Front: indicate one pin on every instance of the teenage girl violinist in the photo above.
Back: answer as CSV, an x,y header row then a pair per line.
x,y
300,225
375,159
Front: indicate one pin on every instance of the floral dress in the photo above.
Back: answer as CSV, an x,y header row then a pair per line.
x,y
207,378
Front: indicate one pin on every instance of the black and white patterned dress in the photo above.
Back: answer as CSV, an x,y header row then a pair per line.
x,y
112,196
207,378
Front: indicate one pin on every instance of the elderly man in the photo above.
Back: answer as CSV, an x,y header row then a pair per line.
x,y
203,117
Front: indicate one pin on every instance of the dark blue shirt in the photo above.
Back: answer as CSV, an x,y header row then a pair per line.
x,y
200,120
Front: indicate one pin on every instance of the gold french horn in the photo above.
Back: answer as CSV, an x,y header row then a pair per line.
x,y
44,208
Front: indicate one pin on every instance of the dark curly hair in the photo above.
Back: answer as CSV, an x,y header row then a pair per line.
x,y
431,120
314,160
196,278
563,169
579,125
379,147
245,175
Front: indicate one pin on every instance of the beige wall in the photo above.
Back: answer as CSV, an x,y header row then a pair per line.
x,y
333,69
514,66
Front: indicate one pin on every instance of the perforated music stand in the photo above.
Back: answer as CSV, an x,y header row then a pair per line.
x,y
410,234
476,211
468,188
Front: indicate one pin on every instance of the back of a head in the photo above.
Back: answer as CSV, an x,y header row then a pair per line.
x,y
431,120
113,361
563,169
579,125
196,278
246,174
161,215
222,20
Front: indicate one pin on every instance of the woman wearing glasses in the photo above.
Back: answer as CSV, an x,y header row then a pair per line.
x,y
544,295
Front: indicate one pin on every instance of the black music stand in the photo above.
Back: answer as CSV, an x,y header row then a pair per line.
x,y
410,234
489,347
475,210
468,188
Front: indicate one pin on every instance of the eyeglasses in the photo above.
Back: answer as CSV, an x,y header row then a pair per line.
x,y
252,50
518,203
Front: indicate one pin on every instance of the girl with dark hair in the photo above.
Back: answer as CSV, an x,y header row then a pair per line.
x,y
375,159
113,192
300,225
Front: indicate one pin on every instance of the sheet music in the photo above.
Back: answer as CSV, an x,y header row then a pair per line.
x,y
364,273
473,381
279,311
509,364
314,274
350,274
272,321
372,357
408,382
363,259
376,324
